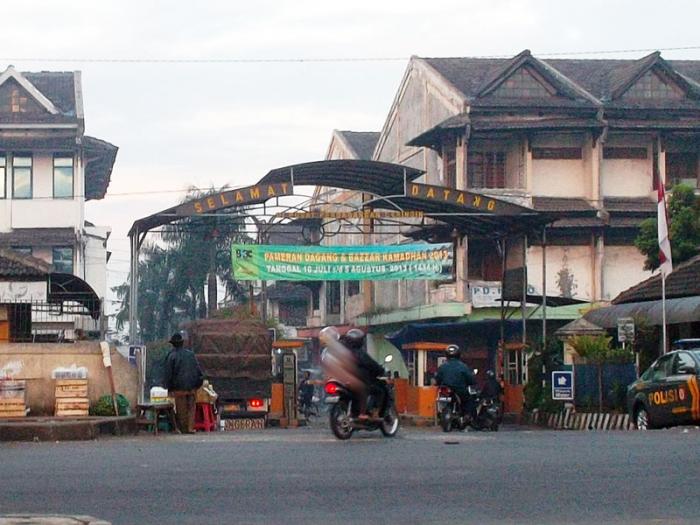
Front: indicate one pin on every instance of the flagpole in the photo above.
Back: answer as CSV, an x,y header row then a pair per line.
x,y
663,308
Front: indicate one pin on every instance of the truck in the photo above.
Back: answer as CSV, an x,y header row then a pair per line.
x,y
236,358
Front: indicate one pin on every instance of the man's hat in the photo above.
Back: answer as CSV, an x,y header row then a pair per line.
x,y
176,339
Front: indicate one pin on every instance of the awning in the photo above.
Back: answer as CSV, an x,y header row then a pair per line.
x,y
678,311
68,287
455,333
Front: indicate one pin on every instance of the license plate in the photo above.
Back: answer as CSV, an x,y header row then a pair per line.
x,y
444,399
332,399
246,423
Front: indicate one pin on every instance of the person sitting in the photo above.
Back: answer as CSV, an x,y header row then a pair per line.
x,y
369,370
459,377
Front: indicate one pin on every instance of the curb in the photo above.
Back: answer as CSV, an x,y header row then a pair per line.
x,y
570,420
49,519
61,429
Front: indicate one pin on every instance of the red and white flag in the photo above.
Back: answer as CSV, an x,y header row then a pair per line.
x,y
666,263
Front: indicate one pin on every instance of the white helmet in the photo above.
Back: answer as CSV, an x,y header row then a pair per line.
x,y
329,333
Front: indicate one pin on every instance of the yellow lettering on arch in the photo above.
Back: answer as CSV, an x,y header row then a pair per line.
x,y
491,205
254,192
430,194
239,197
415,190
271,191
211,203
460,199
198,207
476,202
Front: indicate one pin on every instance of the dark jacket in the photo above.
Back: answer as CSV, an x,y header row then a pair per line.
x,y
455,374
182,370
492,388
369,368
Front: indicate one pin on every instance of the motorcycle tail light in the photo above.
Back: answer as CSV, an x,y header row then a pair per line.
x,y
255,403
331,388
445,391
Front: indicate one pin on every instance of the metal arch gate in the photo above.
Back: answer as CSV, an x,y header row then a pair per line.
x,y
389,185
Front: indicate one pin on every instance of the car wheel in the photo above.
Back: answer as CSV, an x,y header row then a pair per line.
x,y
641,419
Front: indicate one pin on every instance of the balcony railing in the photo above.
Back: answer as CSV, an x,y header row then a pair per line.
x,y
44,322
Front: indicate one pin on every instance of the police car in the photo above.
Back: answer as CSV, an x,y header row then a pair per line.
x,y
668,392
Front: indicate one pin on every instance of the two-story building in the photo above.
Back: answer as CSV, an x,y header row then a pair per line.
x,y
585,139
49,168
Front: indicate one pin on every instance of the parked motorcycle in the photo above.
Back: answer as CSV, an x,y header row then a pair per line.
x,y
449,410
342,422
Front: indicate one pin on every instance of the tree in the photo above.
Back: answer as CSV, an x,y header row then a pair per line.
x,y
684,229
596,350
178,276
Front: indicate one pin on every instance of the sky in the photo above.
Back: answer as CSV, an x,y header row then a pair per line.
x,y
210,124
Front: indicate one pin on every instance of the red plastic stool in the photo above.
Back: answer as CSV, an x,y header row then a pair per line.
x,y
204,417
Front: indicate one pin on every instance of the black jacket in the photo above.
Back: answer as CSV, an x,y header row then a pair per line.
x,y
369,368
455,374
182,370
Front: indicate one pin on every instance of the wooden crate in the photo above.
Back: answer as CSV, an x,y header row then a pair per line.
x,y
72,406
12,407
71,388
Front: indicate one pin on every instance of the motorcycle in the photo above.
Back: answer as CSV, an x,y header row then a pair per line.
x,y
449,410
342,422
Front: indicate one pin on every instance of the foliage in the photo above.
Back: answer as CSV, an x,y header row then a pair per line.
x,y
156,352
104,406
174,274
535,395
684,229
646,342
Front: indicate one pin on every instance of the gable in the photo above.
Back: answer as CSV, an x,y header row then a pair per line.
x,y
524,82
14,99
654,85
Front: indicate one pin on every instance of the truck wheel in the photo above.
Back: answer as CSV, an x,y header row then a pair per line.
x,y
340,421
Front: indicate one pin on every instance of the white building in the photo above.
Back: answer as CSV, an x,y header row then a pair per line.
x,y
49,168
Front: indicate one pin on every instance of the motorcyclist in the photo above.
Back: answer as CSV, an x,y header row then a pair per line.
x,y
369,370
492,388
458,376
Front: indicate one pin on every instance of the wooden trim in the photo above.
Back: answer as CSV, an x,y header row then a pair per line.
x,y
425,346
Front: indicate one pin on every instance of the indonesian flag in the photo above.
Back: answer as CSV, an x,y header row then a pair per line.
x,y
666,263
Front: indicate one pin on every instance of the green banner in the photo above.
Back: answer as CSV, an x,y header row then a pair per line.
x,y
252,262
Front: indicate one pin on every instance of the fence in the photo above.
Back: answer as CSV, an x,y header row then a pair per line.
x,y
616,378
35,321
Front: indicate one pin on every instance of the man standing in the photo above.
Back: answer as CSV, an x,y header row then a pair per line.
x,y
182,377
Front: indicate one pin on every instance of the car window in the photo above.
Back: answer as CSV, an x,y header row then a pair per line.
x,y
696,354
683,359
661,369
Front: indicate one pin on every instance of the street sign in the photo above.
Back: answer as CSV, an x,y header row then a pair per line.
x,y
563,386
625,329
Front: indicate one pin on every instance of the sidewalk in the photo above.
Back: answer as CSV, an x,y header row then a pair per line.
x,y
65,429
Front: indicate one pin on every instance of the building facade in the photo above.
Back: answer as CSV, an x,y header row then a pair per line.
x,y
49,168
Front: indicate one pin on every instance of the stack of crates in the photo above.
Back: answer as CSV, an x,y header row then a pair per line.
x,y
72,397
12,398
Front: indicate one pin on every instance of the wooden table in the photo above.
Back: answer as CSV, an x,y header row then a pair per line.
x,y
158,410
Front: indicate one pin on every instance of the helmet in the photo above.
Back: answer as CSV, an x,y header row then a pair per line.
x,y
329,333
490,374
355,338
452,352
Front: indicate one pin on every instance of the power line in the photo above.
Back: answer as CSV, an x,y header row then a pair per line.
x,y
318,60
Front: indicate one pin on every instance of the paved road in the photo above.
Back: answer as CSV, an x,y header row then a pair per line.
x,y
306,476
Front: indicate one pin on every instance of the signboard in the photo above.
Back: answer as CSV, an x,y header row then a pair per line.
x,y
353,214
484,294
252,262
23,291
238,197
625,329
563,386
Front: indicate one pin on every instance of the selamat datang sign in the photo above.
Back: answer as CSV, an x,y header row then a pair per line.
x,y
252,262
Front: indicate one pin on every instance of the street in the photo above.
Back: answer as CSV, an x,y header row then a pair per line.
x,y
306,476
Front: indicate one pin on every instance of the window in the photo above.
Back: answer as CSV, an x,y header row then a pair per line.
x,y
333,297
556,153
449,164
683,361
681,167
3,165
353,288
63,259
625,153
661,368
23,250
486,169
62,177
22,177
